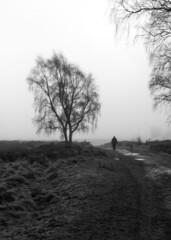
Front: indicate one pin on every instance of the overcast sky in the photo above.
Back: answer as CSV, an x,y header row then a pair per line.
x,y
83,32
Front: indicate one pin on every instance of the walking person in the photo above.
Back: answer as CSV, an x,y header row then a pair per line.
x,y
114,143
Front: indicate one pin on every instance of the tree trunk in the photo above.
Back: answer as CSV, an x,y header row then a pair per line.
x,y
70,137
70,134
65,135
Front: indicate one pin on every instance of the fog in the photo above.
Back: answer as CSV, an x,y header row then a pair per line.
x,y
84,33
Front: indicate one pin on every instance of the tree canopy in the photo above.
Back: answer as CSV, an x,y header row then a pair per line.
x,y
66,99
152,19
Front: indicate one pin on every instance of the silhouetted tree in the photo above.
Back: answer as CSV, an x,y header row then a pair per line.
x,y
65,98
139,140
160,82
152,18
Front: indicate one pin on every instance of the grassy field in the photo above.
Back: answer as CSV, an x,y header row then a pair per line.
x,y
50,191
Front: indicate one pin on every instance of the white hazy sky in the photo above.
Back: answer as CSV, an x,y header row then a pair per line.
x,y
83,32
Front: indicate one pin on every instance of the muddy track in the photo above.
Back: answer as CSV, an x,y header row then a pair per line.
x,y
154,186
125,208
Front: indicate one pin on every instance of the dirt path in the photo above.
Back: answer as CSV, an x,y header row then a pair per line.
x,y
153,175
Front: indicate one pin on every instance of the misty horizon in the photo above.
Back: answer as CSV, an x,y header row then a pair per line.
x,y
121,70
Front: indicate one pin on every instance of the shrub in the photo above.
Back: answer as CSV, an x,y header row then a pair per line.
x,y
52,176
161,146
15,180
6,196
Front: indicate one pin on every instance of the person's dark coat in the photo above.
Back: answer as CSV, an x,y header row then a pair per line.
x,y
114,142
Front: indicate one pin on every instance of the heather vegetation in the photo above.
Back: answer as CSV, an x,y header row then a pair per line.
x,y
160,146
50,190
36,150
38,182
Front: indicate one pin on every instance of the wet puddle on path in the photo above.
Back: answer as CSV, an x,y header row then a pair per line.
x,y
127,153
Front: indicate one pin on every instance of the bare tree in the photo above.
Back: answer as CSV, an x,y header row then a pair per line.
x,y
152,18
160,82
66,99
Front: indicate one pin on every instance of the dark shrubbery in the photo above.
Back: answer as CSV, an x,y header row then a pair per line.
x,y
61,150
41,152
12,155
160,146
